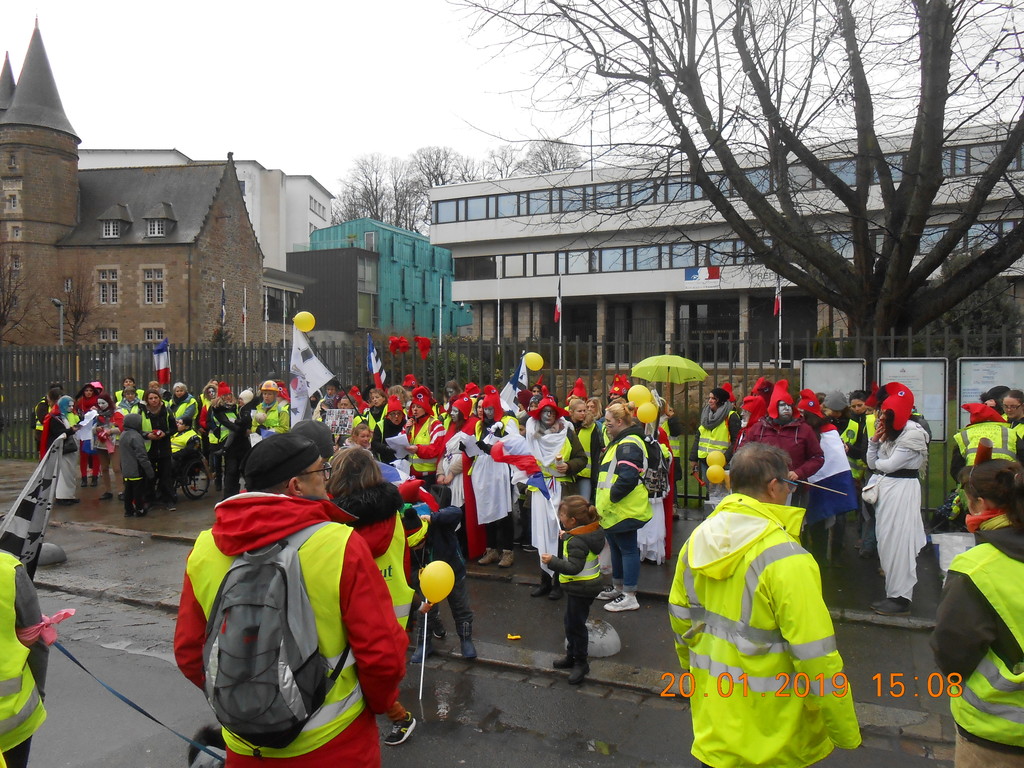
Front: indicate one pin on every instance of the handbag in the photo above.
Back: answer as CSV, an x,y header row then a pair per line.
x,y
869,493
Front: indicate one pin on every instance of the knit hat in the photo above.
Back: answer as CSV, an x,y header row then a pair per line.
x,y
835,401
523,396
319,433
278,458
548,402
981,412
493,400
223,389
394,404
720,394
754,404
810,405
779,393
422,397
901,403
472,389
462,404
410,381
490,389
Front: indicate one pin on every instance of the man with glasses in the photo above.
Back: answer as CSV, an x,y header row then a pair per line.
x,y
286,480
747,613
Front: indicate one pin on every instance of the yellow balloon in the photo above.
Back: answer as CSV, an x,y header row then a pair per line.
x,y
304,321
436,581
640,394
647,413
716,459
533,361
715,474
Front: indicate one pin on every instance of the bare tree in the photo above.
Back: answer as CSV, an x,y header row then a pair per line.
x,y
364,192
782,114
437,166
548,155
13,301
503,162
81,306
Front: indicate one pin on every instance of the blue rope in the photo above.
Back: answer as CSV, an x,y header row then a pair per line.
x,y
135,706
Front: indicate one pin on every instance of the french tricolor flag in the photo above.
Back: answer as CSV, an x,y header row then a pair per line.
x,y
703,273
162,361
373,364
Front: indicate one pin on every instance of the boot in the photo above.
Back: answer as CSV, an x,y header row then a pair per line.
x,y
436,628
556,590
544,587
419,654
466,640
490,556
580,669
85,481
95,481
567,662
507,559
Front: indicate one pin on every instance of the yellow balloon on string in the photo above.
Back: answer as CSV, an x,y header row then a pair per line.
x,y
716,474
639,394
436,581
716,459
533,361
647,413
304,321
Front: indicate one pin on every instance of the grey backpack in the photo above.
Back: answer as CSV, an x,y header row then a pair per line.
x,y
265,676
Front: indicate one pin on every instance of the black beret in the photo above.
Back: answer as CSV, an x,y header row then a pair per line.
x,y
319,433
277,459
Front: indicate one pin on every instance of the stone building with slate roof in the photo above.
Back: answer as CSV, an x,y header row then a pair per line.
x,y
132,254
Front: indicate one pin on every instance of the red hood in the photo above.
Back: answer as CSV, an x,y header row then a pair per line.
x,y
252,520
378,535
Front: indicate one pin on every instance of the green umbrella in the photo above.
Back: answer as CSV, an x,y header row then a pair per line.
x,y
671,369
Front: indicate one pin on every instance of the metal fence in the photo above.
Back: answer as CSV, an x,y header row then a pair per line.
x,y
26,372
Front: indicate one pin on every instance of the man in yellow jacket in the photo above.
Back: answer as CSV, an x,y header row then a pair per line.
x,y
753,634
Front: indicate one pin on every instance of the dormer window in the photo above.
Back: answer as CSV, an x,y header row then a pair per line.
x,y
159,220
115,221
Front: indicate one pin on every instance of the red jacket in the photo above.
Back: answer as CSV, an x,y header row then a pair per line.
x,y
253,520
797,438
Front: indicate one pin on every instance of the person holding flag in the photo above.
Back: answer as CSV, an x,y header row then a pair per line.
x,y
374,365
162,362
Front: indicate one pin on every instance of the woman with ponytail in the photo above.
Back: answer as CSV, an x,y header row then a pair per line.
x,y
979,628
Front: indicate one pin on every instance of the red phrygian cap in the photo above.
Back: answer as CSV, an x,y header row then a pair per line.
x,y
981,412
578,390
779,393
728,388
755,405
809,403
763,389
901,403
412,493
357,398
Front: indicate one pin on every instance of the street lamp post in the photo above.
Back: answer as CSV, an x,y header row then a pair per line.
x,y
60,310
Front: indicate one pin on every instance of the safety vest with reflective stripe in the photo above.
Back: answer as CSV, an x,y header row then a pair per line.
x,y
278,417
591,568
716,439
635,504
21,709
392,568
35,411
992,704
545,469
321,558
586,436
182,409
217,433
422,436
849,435
1004,441
179,440
746,620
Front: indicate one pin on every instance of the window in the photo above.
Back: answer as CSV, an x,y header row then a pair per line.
x,y
514,265
678,190
108,286
241,186
606,196
108,334
683,255
68,285
316,207
153,286
641,192
611,259
647,257
155,227
578,262
12,202
154,334
572,199
982,156
954,161
12,160
545,264
15,232
111,228
476,208
15,265
445,212
508,205
538,202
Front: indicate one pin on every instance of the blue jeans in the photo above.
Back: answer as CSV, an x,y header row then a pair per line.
x,y
625,552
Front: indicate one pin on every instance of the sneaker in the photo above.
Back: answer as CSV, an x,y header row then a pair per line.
x,y
609,593
624,602
401,730
85,482
106,496
437,629
490,556
507,559
95,481
529,548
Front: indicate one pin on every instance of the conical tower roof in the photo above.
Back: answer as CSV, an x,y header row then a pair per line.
x,y
6,84
36,101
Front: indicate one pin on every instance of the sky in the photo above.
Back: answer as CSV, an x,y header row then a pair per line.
x,y
302,86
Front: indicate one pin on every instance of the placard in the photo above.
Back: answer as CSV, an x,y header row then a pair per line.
x,y
339,420
829,374
976,375
926,378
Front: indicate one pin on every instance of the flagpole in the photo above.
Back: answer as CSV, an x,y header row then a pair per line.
x,y
266,313
559,300
778,300
440,313
245,315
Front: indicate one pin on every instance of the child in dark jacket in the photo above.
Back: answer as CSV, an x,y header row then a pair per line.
x,y
579,574
136,468
442,543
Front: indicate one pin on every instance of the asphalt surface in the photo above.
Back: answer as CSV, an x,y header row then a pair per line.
x,y
140,562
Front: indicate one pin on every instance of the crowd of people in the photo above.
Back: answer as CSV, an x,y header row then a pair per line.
x,y
419,480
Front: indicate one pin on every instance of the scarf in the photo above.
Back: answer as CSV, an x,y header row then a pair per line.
x,y
710,419
989,520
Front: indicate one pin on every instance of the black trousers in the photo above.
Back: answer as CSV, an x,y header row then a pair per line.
x,y
162,488
500,533
577,609
134,495
17,757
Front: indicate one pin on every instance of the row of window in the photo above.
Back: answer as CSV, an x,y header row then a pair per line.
x,y
956,161
108,285
318,208
114,228
709,253
110,335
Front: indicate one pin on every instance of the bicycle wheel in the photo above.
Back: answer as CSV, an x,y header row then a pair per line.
x,y
195,481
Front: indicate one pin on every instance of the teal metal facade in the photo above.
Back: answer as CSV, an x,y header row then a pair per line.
x,y
414,277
